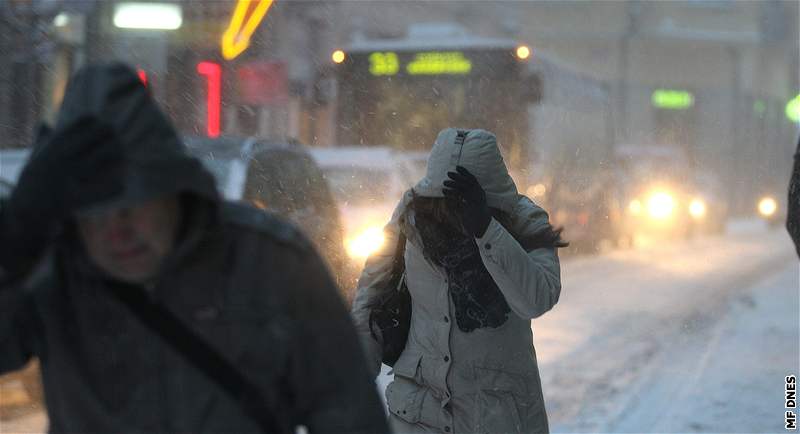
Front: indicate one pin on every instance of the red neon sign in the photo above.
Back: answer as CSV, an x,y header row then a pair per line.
x,y
142,76
213,74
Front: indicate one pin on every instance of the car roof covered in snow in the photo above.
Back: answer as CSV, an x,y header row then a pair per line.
x,y
231,147
361,156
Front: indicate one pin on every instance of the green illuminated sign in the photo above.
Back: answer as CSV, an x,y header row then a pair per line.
x,y
672,99
383,63
793,109
427,63
436,63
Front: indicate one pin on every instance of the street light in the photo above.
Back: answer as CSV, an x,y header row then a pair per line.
x,y
148,16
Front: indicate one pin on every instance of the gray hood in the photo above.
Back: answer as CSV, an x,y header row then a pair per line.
x,y
481,156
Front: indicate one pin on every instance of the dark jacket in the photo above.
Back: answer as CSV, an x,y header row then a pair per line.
x,y
793,204
243,280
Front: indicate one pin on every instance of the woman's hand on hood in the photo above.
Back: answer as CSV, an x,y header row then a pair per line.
x,y
465,189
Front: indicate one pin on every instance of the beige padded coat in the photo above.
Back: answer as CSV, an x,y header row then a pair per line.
x,y
446,380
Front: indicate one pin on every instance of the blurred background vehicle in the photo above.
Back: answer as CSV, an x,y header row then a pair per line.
x,y
661,196
280,177
367,183
709,207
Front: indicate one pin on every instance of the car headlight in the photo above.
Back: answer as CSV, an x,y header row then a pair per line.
x,y
660,205
697,208
767,206
366,243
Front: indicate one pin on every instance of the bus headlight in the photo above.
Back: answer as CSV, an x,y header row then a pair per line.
x,y
338,56
366,243
697,208
523,52
767,206
660,205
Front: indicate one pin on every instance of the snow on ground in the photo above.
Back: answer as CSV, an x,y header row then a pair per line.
x,y
647,341
731,378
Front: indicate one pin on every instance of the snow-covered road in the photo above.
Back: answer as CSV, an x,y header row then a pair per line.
x,y
694,336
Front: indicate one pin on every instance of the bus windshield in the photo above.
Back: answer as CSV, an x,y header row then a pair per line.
x,y
404,98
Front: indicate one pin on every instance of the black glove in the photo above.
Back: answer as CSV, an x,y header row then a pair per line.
x,y
76,167
465,189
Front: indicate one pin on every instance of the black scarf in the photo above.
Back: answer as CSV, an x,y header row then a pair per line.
x,y
477,299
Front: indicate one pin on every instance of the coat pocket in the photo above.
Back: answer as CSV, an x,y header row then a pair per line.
x,y
404,399
497,412
500,399
404,395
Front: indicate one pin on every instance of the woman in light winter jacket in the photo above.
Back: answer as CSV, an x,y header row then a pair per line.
x,y
480,263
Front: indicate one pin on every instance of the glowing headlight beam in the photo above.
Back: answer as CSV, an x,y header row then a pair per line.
x,y
767,206
366,243
697,208
660,206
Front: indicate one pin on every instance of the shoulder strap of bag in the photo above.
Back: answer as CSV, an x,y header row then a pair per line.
x,y
395,282
399,263
197,352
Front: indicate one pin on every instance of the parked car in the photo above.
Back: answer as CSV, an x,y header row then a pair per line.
x,y
280,177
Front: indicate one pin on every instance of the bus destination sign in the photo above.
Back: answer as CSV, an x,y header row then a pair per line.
x,y
387,63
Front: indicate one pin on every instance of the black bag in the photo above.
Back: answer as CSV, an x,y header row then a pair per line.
x,y
390,313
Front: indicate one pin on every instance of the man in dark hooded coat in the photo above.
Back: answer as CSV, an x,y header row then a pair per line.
x,y
110,208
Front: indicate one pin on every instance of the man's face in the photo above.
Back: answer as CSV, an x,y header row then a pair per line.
x,y
130,243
